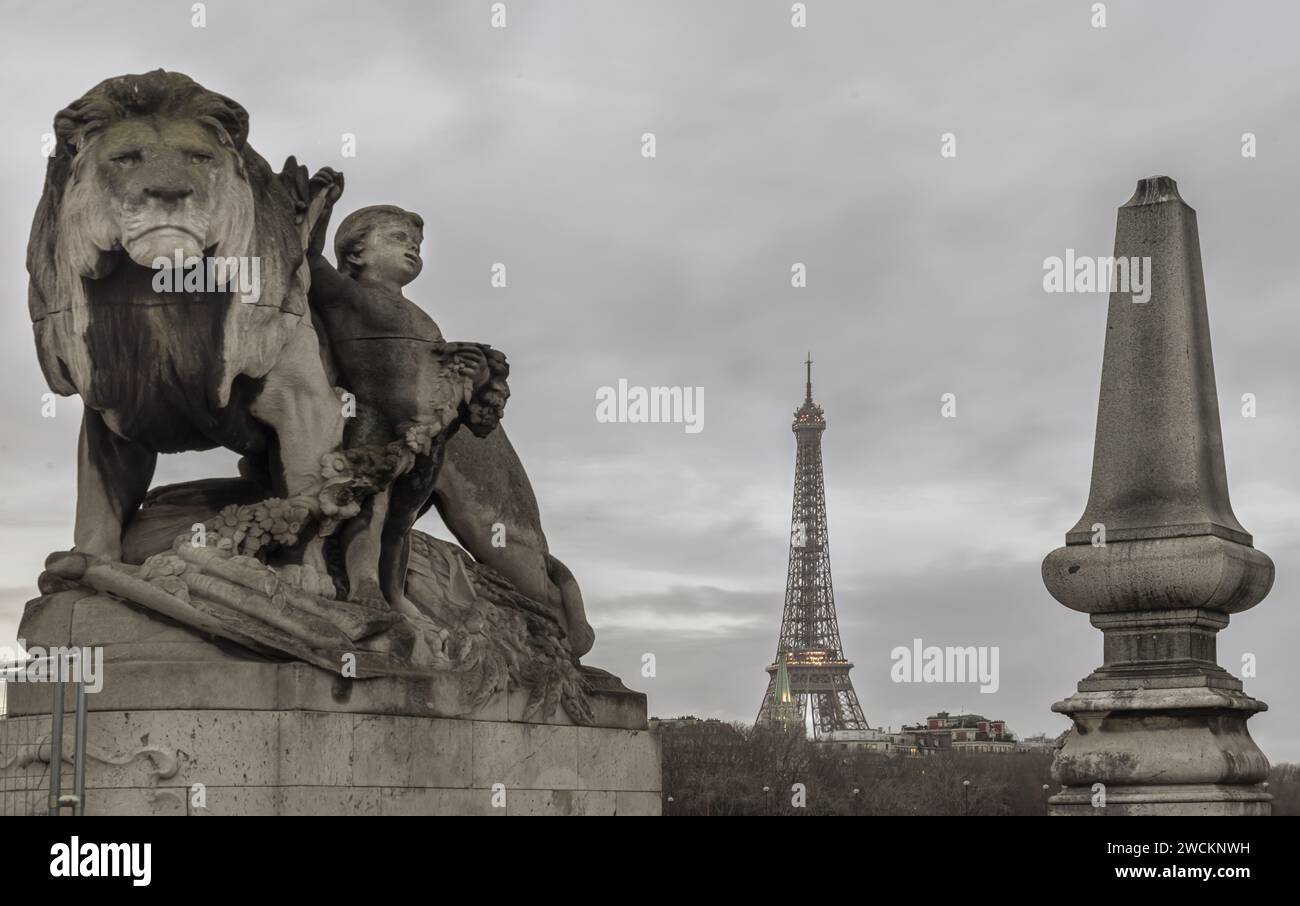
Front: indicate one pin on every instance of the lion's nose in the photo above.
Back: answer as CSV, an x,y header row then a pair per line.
x,y
168,193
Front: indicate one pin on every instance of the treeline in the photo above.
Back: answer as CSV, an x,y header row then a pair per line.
x,y
1284,784
712,768
722,769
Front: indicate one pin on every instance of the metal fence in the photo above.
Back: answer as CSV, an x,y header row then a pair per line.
x,y
38,760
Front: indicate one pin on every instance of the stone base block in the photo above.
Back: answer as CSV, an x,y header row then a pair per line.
x,y
1173,799
1160,751
191,725
224,762
187,724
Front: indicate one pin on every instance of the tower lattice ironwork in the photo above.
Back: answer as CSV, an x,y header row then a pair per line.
x,y
809,647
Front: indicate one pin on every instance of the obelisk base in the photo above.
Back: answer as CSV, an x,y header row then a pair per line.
x,y
1183,799
1180,751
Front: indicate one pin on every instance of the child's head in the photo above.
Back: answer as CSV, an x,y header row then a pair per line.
x,y
381,241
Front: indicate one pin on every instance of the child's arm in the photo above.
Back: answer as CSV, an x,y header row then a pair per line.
x,y
327,184
328,286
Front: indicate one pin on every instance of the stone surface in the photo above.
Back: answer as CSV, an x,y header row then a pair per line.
x,y
174,667
388,353
155,376
1157,468
1159,560
279,737
315,563
285,639
305,763
1188,800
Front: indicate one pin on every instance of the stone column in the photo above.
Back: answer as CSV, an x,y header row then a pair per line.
x,y
1160,724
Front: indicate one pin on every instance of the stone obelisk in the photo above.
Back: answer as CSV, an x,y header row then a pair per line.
x,y
1158,560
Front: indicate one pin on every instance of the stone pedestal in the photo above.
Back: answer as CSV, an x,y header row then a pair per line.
x,y
1181,751
1158,560
186,725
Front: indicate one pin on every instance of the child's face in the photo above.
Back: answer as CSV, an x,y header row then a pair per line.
x,y
392,251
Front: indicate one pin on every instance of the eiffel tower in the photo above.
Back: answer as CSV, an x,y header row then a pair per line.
x,y
809,650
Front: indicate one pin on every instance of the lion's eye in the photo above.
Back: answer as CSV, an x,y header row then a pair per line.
x,y
200,157
127,158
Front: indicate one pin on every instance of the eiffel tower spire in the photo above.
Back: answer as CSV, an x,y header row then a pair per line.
x,y
809,651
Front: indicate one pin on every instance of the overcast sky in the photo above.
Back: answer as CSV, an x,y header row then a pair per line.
x,y
775,145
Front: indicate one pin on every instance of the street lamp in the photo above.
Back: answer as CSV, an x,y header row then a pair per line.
x,y
670,805
767,791
965,797
857,801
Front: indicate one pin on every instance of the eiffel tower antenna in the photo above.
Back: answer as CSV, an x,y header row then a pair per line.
x,y
809,652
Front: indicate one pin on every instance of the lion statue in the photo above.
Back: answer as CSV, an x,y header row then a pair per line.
x,y
149,168
151,182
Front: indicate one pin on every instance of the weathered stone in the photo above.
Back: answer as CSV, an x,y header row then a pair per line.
x,y
237,800
612,703
634,804
158,377
316,800
300,762
1158,559
561,803
433,801
618,759
284,642
128,801
525,756
193,677
1157,468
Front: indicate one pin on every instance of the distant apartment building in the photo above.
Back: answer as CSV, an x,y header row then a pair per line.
x,y
964,732
884,742
1039,742
881,741
942,732
692,725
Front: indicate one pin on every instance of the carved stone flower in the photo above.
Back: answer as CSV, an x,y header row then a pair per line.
x,y
419,437
334,466
337,500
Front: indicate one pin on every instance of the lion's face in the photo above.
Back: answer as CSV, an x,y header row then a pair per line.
x,y
146,165
157,187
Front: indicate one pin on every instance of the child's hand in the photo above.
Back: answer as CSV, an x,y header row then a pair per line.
x,y
468,359
327,185
486,370
329,181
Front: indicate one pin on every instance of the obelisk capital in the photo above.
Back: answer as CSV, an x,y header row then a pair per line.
x,y
1155,190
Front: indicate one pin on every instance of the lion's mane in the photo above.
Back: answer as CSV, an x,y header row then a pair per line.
x,y
73,232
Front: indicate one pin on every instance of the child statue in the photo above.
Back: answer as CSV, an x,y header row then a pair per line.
x,y
380,340
407,381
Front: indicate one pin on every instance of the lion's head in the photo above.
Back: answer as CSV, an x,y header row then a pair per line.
x,y
156,169
147,167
